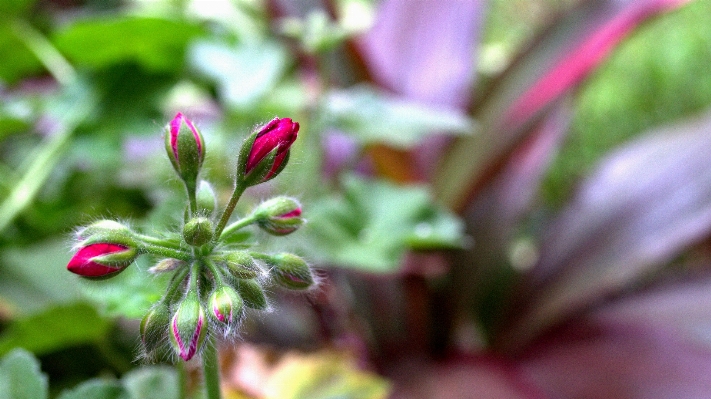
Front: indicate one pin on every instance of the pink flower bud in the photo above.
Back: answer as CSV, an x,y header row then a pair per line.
x,y
188,328
226,305
101,260
279,216
185,147
279,135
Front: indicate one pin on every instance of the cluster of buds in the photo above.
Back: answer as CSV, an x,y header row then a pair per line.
x,y
213,278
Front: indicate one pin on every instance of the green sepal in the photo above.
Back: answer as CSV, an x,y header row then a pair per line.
x,y
226,305
154,330
240,264
121,258
289,271
252,294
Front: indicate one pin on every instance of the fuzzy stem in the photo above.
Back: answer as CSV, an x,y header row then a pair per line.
x,y
238,225
239,189
174,284
192,198
165,252
182,381
214,270
211,370
161,242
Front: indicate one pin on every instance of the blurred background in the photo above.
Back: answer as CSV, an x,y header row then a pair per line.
x,y
505,199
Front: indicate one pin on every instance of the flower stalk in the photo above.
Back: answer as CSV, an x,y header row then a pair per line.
x,y
213,279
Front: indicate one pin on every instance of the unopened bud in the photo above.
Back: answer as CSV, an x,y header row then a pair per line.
x,y
290,271
101,260
154,330
265,152
252,294
166,265
279,216
198,231
185,147
226,305
188,327
240,264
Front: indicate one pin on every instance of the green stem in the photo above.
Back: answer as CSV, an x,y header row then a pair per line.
x,y
214,271
211,370
239,189
45,52
43,162
174,284
192,198
182,381
194,277
166,252
161,242
238,225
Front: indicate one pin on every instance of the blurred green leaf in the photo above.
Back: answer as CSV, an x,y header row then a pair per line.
x,y
372,116
154,43
96,389
18,61
130,294
152,382
55,328
34,277
20,377
15,8
372,225
244,73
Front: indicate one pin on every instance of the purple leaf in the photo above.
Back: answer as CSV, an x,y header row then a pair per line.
x,y
556,63
644,204
654,345
425,49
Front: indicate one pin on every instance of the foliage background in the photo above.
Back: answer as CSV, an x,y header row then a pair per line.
x,y
425,263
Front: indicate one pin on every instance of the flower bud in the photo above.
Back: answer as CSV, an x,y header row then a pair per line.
x,y
265,152
198,231
240,264
279,216
187,327
226,305
252,294
154,329
290,271
185,147
101,260
167,265
206,199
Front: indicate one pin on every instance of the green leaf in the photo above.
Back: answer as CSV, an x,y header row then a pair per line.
x,y
152,382
375,222
18,61
55,328
15,8
244,73
154,43
20,377
96,389
34,277
372,116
